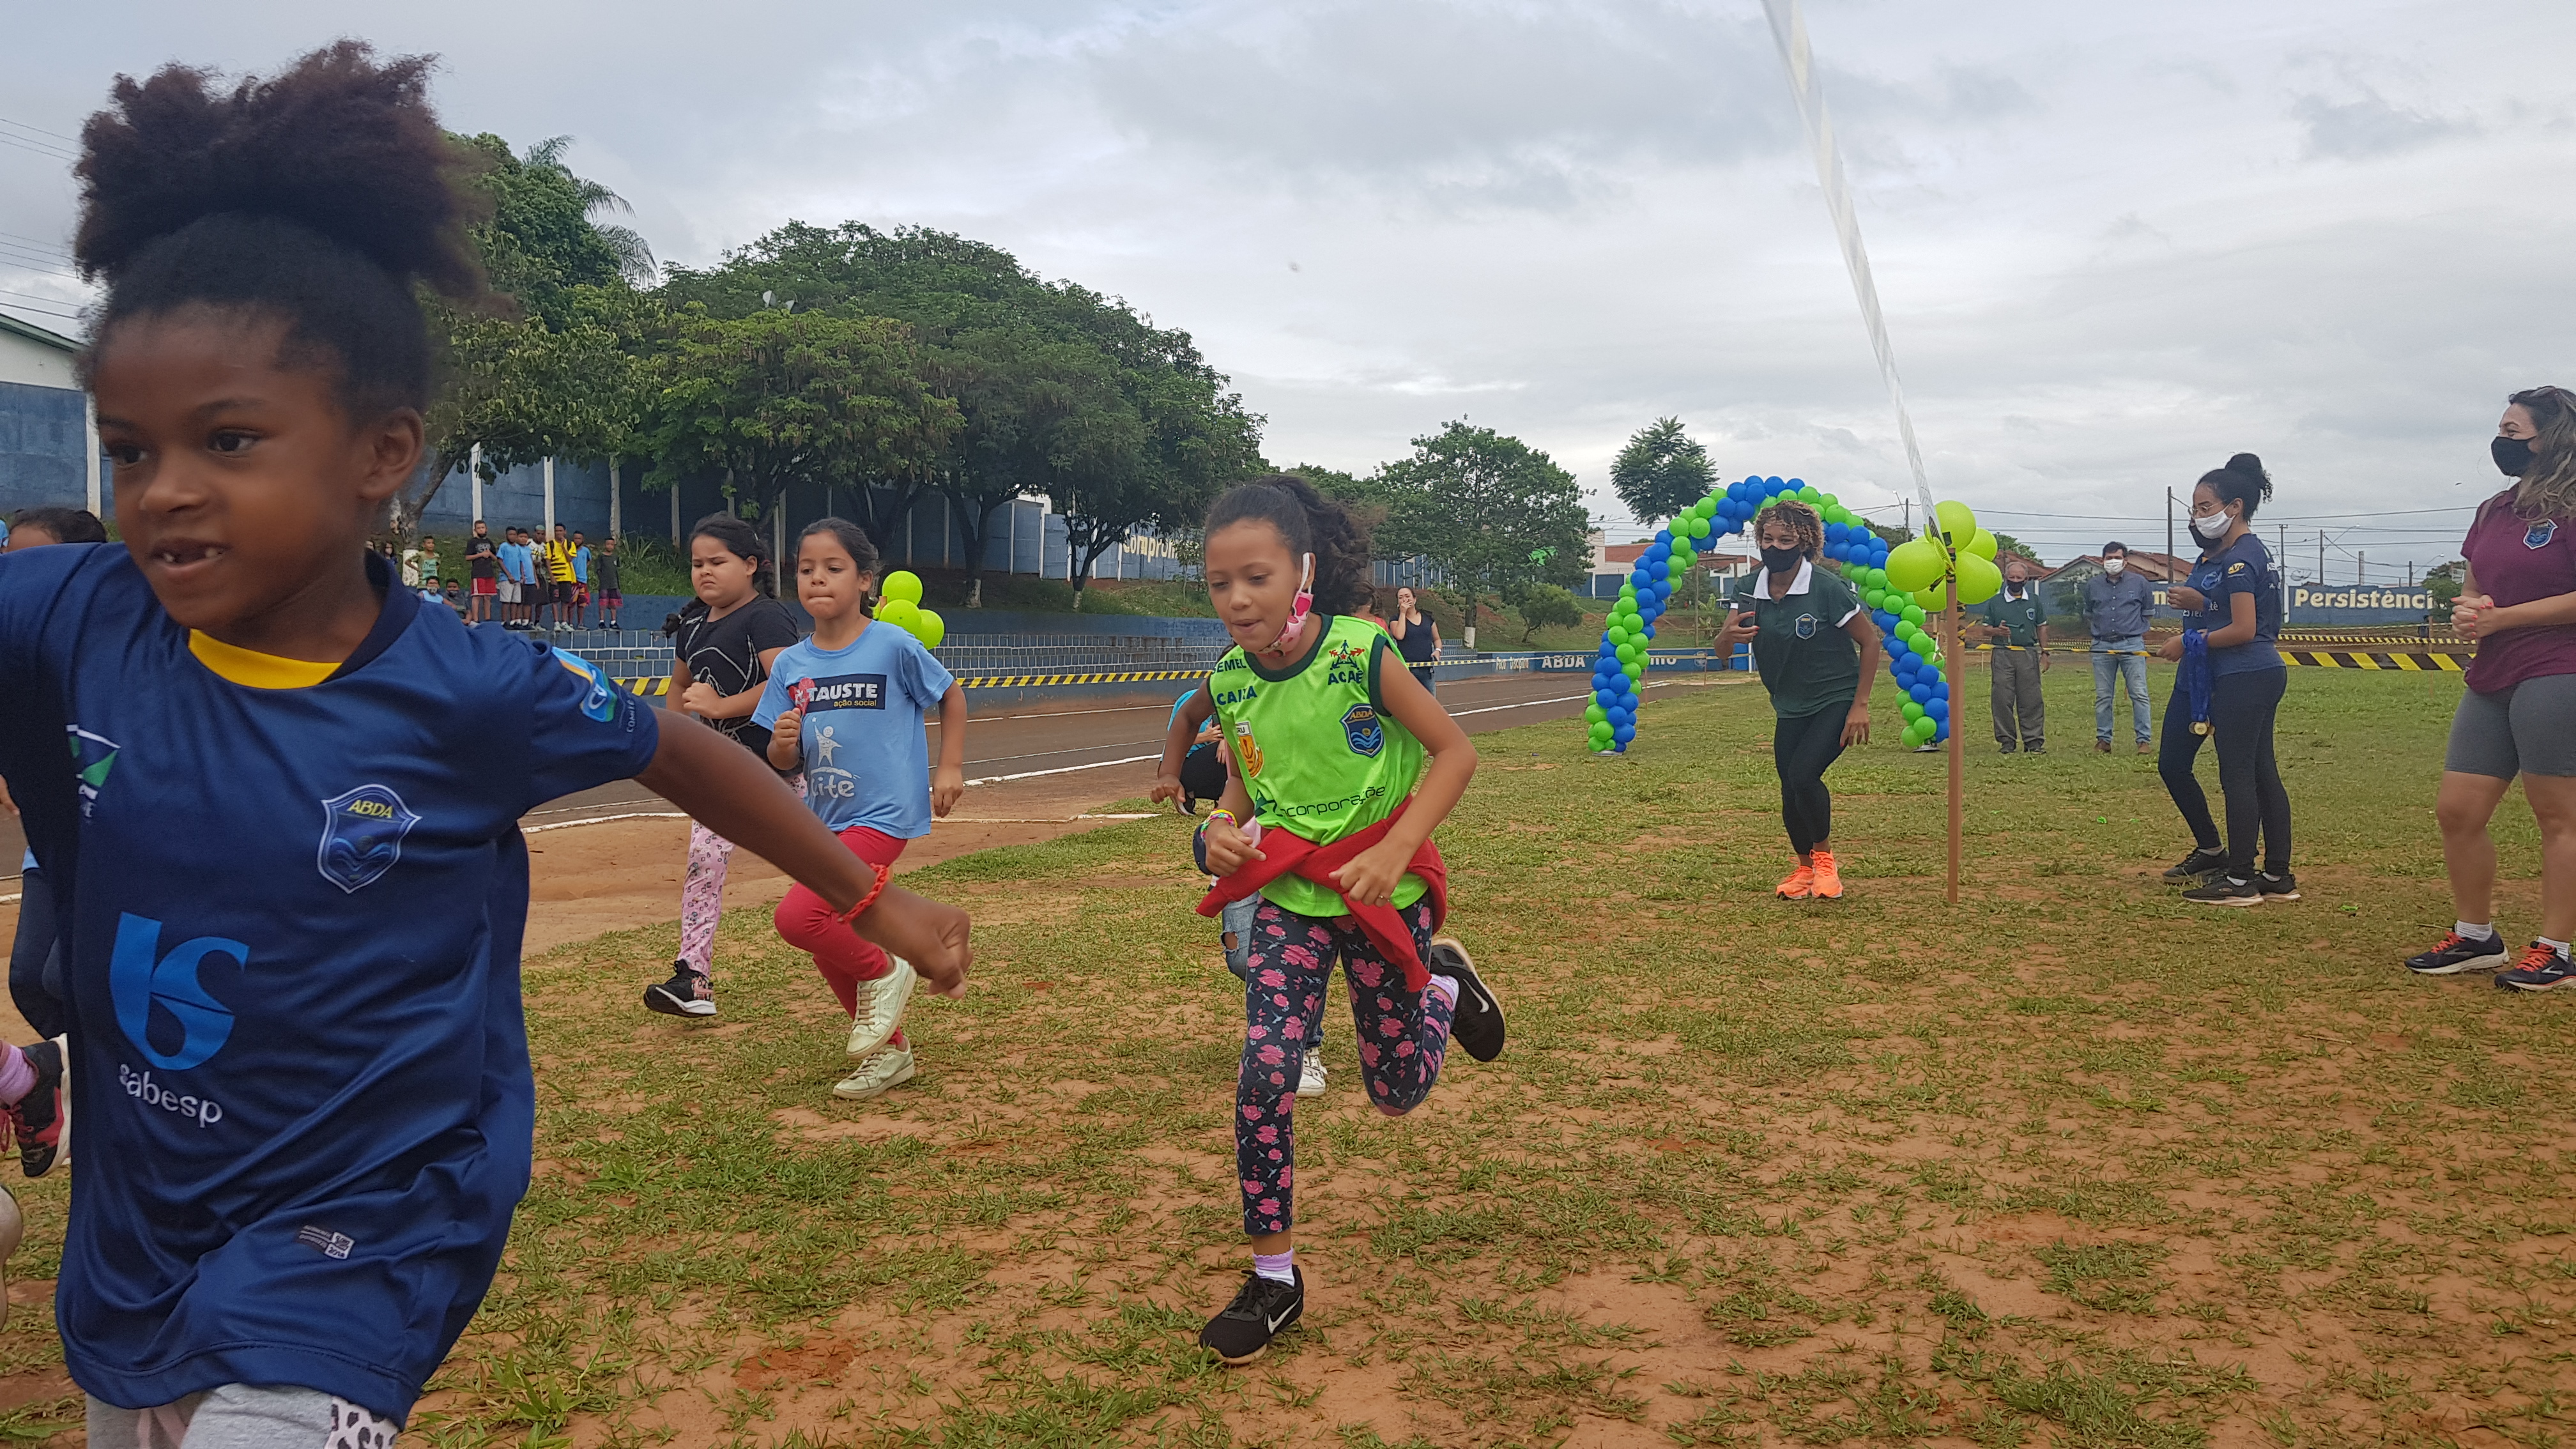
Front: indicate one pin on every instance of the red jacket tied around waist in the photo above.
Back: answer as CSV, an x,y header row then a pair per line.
x,y
1284,852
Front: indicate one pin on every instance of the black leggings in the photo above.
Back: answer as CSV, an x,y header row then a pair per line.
x,y
1803,746
2241,707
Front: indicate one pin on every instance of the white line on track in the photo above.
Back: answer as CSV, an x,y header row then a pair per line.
x,y
604,819
1066,769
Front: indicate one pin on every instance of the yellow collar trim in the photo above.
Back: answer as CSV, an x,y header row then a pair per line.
x,y
256,670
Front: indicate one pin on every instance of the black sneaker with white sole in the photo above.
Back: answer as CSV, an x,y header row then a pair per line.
x,y
37,1119
2226,890
2198,864
687,993
1260,1312
1477,1024
2282,887
2456,953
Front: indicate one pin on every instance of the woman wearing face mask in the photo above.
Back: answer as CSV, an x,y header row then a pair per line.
x,y
1818,653
2518,601
2235,598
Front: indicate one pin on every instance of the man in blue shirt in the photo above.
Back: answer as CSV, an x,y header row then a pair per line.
x,y
2116,606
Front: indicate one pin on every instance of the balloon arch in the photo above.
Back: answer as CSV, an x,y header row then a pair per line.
x,y
1902,587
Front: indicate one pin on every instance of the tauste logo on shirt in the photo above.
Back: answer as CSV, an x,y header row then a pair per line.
x,y
362,835
838,691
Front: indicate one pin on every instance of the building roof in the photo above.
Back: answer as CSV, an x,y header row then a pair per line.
x,y
1619,558
2162,568
34,333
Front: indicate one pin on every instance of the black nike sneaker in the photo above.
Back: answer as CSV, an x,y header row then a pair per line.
x,y
2282,887
2456,953
2226,890
687,993
1259,1312
1477,1025
2198,864
37,1119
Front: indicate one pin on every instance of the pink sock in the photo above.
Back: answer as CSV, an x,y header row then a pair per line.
x,y
17,1074
1277,1267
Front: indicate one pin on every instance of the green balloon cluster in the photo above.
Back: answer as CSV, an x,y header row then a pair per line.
x,y
899,604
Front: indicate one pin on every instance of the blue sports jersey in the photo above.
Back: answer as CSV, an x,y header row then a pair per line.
x,y
291,922
2244,567
866,759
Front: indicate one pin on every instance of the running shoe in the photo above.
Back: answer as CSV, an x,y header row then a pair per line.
x,y
1310,1075
2456,953
1800,884
13,1226
1477,1024
1828,882
2542,968
2226,890
37,1118
2198,864
687,993
881,1071
2282,887
881,1004
1261,1309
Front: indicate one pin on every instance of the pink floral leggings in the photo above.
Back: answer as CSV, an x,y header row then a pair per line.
x,y
1403,1035
702,897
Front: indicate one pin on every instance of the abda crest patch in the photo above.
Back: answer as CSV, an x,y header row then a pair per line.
x,y
362,836
1361,726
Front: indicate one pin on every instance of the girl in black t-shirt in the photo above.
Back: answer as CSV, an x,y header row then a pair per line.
x,y
722,646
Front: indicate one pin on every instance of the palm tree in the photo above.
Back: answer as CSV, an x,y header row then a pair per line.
x,y
634,255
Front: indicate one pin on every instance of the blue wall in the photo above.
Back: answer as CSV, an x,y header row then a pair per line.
x,y
42,433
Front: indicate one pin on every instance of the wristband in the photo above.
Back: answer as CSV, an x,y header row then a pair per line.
x,y
1229,815
850,917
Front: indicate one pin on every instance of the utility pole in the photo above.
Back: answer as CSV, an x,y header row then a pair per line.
x,y
2281,531
2169,544
2361,567
2321,558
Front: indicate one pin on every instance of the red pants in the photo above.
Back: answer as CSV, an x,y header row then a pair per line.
x,y
809,925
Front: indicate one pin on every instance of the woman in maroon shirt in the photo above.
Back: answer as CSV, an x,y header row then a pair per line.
x,y
2518,601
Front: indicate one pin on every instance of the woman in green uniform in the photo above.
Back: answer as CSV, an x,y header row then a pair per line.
x,y
1818,654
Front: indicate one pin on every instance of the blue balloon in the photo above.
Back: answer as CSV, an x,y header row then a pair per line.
x,y
1922,693
1623,734
1664,539
1660,569
1937,708
1663,589
1751,485
1941,735
1735,492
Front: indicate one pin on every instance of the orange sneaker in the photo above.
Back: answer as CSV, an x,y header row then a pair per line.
x,y
1829,876
1800,884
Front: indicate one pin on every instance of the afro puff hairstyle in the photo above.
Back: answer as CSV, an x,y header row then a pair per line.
x,y
318,197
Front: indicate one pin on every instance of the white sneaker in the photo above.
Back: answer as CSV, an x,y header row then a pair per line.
x,y
884,1070
881,1003
1310,1076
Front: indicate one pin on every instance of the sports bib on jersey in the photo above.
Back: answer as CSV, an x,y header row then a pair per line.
x,y
1316,750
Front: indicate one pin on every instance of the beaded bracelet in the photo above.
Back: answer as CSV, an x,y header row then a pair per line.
x,y
884,873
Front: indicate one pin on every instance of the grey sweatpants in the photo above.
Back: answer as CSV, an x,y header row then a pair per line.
x,y
242,1416
2021,718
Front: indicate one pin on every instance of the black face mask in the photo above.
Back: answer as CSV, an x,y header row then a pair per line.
x,y
1782,560
2512,456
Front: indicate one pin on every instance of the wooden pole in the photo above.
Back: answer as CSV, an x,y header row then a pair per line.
x,y
1951,618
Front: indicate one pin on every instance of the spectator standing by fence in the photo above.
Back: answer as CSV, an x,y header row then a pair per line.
x,y
2017,626
1416,635
560,582
603,569
2116,606
482,574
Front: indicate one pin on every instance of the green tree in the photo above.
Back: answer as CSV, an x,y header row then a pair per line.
x,y
1059,390
550,365
1660,472
779,398
1545,606
2006,544
2444,580
1493,514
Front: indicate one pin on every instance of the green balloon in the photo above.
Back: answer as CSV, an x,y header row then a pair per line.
x,y
1906,631
1595,714
1877,577
1627,653
1635,668
1810,496
1914,615
899,612
1912,711
902,584
929,628
1873,597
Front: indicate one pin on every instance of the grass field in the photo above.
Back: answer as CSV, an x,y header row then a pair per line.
x,y
2070,1163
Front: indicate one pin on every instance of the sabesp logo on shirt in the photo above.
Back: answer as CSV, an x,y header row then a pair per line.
x,y
160,1001
93,757
844,691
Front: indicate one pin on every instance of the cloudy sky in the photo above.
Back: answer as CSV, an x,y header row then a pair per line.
x,y
2115,243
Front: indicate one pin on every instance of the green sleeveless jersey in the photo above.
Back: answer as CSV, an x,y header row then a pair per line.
x,y
1317,754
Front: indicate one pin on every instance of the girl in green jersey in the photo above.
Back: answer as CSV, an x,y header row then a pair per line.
x,y
1329,734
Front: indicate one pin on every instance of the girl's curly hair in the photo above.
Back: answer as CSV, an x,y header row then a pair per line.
x,y
1803,521
317,197
1311,523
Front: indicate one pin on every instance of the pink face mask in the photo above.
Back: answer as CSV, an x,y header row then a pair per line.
x,y
1298,611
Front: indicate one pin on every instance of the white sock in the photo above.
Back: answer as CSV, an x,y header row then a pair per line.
x,y
1447,986
2558,946
1277,1267
2482,931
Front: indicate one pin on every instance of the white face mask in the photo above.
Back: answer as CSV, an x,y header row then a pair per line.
x,y
2113,565
2212,528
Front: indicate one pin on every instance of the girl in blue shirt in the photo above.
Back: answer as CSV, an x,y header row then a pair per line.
x,y
2235,600
284,837
846,707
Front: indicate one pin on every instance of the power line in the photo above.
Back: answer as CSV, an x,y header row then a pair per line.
x,y
39,147
39,130
45,311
